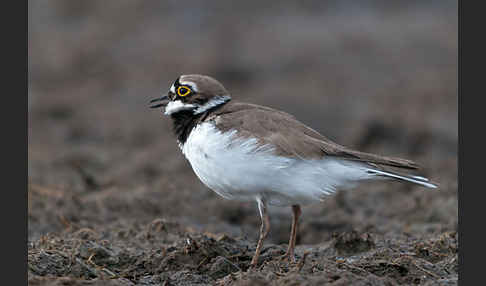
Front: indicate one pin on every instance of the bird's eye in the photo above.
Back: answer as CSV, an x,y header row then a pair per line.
x,y
183,91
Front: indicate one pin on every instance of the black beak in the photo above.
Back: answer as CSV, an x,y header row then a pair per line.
x,y
165,97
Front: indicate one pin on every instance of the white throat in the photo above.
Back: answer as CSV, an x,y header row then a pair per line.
x,y
177,105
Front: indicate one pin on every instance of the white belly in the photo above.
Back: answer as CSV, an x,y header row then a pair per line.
x,y
241,169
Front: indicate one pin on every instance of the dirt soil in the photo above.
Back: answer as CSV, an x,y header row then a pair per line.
x,y
112,201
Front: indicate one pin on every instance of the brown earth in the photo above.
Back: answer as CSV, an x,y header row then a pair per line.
x,y
111,201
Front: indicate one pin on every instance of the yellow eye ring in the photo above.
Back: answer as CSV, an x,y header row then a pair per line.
x,y
183,91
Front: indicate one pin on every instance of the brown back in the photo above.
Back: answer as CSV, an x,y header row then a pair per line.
x,y
289,136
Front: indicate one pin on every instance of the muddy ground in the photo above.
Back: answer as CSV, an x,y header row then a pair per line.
x,y
111,201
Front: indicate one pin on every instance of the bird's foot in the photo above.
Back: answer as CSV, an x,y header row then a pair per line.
x,y
289,257
254,263
253,266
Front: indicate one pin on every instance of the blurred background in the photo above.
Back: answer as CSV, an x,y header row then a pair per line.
x,y
378,76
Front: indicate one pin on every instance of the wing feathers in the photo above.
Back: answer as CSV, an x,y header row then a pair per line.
x,y
289,136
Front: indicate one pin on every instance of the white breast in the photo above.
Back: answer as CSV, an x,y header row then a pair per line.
x,y
241,169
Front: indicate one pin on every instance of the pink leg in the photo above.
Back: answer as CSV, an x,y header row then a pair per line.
x,y
264,229
293,233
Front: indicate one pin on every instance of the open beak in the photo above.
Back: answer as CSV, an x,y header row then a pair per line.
x,y
165,97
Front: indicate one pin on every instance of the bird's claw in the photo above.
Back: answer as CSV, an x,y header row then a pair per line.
x,y
287,257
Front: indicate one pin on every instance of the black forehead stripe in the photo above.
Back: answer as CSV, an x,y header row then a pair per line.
x,y
177,83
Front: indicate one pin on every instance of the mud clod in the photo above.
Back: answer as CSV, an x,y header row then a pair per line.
x,y
350,243
222,267
198,259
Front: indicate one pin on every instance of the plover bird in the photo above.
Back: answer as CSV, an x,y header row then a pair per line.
x,y
249,152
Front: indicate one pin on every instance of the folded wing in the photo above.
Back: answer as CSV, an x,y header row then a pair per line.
x,y
291,137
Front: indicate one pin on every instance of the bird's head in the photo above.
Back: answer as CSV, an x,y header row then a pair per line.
x,y
194,93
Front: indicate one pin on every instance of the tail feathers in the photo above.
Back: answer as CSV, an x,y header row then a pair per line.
x,y
408,178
